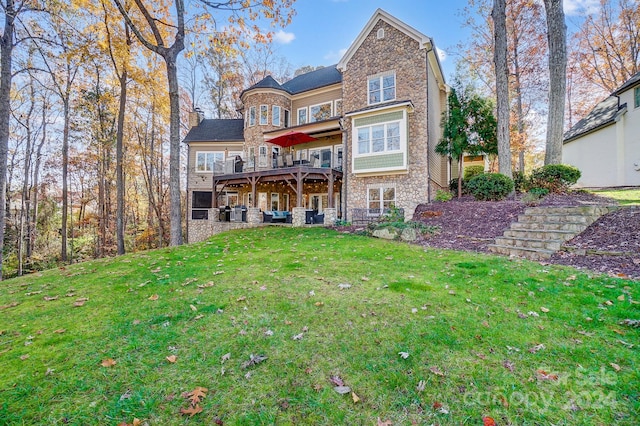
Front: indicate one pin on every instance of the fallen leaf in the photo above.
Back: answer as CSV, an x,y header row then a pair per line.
x,y
253,360
24,357
509,365
365,278
615,366
319,303
172,359
197,317
543,309
109,362
608,303
403,355
298,336
49,299
59,331
193,308
630,322
436,405
196,395
154,297
385,423
225,357
421,386
342,390
435,370
191,411
241,299
488,421
336,380
78,304
621,298
355,397
536,348
543,375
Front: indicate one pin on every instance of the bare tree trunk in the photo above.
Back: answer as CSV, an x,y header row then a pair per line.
x,y
65,173
557,37
502,85
119,165
175,211
6,52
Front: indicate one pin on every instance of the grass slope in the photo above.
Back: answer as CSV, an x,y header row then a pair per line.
x,y
625,197
471,324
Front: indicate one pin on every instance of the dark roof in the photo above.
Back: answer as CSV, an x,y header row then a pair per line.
x,y
266,83
629,83
313,80
601,115
217,130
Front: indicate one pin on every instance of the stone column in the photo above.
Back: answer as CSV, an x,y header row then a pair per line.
x,y
298,218
330,216
214,215
253,215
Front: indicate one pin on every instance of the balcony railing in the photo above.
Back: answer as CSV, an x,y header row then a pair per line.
x,y
282,161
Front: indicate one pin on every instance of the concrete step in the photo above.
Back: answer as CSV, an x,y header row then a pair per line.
x,y
530,243
528,253
546,226
557,218
581,210
540,234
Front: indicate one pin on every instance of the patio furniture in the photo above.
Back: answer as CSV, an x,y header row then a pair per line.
x,y
288,160
280,161
318,218
275,216
308,216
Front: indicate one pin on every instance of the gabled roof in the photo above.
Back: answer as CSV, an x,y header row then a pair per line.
x,y
602,115
313,80
217,130
424,42
635,79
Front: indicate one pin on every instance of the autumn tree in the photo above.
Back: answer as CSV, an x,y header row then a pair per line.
x,y
165,36
468,127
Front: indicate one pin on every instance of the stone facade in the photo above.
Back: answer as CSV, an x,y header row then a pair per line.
x,y
399,53
253,135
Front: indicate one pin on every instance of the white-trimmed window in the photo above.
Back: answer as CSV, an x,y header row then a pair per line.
x,y
207,161
252,116
262,156
319,112
302,116
382,88
264,115
383,137
275,201
251,160
636,97
275,115
337,107
287,119
380,197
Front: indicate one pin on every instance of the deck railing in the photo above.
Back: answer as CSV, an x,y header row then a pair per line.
x,y
282,161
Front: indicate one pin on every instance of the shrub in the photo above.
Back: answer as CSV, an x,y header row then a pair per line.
x,y
443,195
519,181
556,178
472,171
453,187
490,186
533,195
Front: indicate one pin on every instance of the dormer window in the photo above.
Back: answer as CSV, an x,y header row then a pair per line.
x,y
382,88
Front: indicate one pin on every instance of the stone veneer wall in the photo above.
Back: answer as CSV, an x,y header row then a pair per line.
x,y
400,53
253,135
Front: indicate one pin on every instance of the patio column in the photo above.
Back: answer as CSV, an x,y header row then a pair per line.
x,y
299,183
299,216
330,190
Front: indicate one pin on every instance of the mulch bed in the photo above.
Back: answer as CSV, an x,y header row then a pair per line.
x,y
610,245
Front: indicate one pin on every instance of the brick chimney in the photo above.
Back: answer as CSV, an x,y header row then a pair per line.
x,y
195,117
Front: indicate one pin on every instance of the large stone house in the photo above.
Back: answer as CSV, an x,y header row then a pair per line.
x,y
605,145
346,141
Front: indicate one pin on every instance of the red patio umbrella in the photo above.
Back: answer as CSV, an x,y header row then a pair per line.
x,y
292,138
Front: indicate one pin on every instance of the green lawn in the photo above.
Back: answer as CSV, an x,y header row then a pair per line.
x,y
419,336
626,197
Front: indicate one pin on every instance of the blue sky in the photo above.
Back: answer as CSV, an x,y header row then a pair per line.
x,y
323,29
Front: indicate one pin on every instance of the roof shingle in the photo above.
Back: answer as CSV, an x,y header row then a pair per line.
x,y
217,130
601,115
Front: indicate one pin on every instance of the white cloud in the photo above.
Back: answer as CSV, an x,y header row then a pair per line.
x,y
442,55
580,7
334,56
283,37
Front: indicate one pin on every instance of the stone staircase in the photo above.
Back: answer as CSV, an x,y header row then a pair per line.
x,y
541,231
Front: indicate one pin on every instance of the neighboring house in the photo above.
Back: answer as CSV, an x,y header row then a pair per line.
x,y
605,145
354,138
